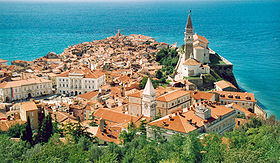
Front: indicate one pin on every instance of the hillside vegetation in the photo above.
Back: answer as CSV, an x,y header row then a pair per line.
x,y
257,141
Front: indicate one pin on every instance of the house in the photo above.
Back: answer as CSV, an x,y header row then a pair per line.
x,y
198,96
225,86
29,109
201,117
90,96
192,68
4,62
112,122
243,99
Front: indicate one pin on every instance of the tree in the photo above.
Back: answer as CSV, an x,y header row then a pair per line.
x,y
76,131
148,154
128,136
142,128
16,130
27,133
143,82
159,74
45,130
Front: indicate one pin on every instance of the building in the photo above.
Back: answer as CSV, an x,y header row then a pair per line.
x,y
189,38
201,50
79,81
149,100
243,99
167,103
3,62
112,122
224,86
25,88
203,117
194,61
90,96
192,67
151,104
197,96
29,109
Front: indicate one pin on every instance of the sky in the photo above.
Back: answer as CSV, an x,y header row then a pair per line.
x,y
114,0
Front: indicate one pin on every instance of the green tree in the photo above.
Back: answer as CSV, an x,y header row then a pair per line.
x,y
26,134
149,154
16,130
45,130
142,128
159,74
128,136
76,131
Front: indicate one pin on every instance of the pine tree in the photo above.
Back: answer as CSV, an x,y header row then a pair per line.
x,y
26,134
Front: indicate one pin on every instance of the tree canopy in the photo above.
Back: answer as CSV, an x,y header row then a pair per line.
x,y
256,141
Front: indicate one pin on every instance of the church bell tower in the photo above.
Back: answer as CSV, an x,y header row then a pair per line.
x,y
149,100
189,38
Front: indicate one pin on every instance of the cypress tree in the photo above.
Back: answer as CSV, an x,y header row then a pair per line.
x,y
27,132
45,130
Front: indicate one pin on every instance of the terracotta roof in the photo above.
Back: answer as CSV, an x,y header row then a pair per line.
x,y
180,121
87,73
191,62
237,96
63,117
202,38
172,96
240,108
5,125
19,83
114,116
201,95
28,106
88,95
3,61
225,84
110,134
136,94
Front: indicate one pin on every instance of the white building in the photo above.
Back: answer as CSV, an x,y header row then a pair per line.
x,y
192,67
23,89
201,50
193,62
79,81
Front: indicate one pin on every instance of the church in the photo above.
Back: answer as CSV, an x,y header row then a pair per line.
x,y
196,54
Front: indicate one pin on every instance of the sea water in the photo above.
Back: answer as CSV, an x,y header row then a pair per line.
x,y
246,32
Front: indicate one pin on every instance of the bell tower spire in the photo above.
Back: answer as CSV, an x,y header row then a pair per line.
x,y
189,38
149,100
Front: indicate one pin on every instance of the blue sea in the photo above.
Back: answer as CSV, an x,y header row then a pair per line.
x,y
247,33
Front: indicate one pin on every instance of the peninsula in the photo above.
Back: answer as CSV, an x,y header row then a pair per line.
x,y
105,88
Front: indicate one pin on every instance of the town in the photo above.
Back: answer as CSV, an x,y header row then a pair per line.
x,y
107,85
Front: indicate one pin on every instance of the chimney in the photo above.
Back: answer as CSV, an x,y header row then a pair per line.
x,y
102,125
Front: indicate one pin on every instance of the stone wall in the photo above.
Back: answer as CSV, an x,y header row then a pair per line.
x,y
226,72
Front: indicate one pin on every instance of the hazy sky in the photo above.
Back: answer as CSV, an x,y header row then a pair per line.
x,y
111,0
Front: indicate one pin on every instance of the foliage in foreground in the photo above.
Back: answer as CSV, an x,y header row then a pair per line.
x,y
257,141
